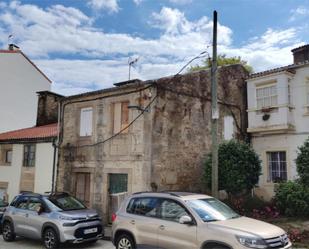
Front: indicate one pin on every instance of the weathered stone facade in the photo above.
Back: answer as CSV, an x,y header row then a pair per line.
x,y
165,146
48,105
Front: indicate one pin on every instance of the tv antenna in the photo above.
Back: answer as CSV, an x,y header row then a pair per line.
x,y
131,63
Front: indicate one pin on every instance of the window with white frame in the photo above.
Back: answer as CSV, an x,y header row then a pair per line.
x,y
277,166
85,125
266,96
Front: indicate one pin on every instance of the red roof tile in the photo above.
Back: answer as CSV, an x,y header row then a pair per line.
x,y
33,133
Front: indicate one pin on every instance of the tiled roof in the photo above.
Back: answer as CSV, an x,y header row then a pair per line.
x,y
3,51
290,68
31,134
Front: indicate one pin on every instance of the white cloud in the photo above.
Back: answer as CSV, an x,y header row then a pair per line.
x,y
137,2
59,31
180,1
109,5
299,12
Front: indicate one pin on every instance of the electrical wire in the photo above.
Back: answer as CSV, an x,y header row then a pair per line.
x,y
142,112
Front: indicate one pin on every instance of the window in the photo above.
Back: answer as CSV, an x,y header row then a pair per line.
x,y
121,117
34,204
228,127
118,183
85,124
266,96
22,203
289,95
144,206
29,155
8,156
172,211
277,166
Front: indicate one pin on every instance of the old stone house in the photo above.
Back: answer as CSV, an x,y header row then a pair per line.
x,y
145,135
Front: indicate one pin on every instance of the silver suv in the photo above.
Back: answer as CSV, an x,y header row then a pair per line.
x,y
53,218
189,221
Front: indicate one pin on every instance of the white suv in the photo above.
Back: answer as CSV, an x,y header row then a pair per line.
x,y
172,220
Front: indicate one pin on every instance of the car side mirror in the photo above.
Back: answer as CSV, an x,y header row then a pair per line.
x,y
185,220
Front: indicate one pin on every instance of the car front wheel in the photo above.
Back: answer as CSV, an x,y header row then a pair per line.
x,y
125,242
8,231
50,239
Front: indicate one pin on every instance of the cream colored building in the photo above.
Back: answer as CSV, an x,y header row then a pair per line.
x,y
20,80
278,113
26,160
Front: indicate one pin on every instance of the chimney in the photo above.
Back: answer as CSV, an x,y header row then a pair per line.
x,y
13,47
301,54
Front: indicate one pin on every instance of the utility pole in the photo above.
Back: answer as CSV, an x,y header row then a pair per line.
x,y
214,111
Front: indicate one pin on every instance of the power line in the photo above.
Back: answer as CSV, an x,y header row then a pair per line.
x,y
142,112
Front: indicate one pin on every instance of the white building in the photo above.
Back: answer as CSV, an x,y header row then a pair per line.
x,y
26,160
20,79
278,113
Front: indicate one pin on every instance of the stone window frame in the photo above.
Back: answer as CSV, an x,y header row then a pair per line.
x,y
306,106
79,121
26,160
124,121
286,162
4,149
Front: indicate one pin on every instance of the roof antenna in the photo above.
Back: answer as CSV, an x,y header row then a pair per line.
x,y
131,63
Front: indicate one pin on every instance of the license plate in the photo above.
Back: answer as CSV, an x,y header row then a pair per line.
x,y
90,230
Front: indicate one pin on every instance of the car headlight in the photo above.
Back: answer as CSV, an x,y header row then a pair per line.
x,y
251,242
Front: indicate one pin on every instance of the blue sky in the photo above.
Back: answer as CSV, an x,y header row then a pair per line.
x,y
84,45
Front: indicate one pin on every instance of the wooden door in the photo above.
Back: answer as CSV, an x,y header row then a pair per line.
x,y
82,187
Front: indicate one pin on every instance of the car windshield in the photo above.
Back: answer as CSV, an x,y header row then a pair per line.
x,y
66,202
211,209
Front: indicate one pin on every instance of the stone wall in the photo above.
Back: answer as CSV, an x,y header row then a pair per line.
x,y
47,108
181,135
127,153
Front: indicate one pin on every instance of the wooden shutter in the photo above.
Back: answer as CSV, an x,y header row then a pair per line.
x,y
124,116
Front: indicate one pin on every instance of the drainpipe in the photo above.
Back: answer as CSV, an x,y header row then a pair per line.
x,y
54,166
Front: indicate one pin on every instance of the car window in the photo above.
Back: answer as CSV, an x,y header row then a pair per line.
x,y
34,204
22,203
172,211
147,206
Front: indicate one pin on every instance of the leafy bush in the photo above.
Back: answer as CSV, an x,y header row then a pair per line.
x,y
302,162
292,198
239,167
253,207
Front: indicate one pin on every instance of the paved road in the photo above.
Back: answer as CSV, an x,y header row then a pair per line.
x,y
22,243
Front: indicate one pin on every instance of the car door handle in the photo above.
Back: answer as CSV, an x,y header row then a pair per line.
x,y
132,222
162,227
27,215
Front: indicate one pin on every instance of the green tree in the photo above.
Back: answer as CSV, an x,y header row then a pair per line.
x,y
239,167
302,163
222,60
